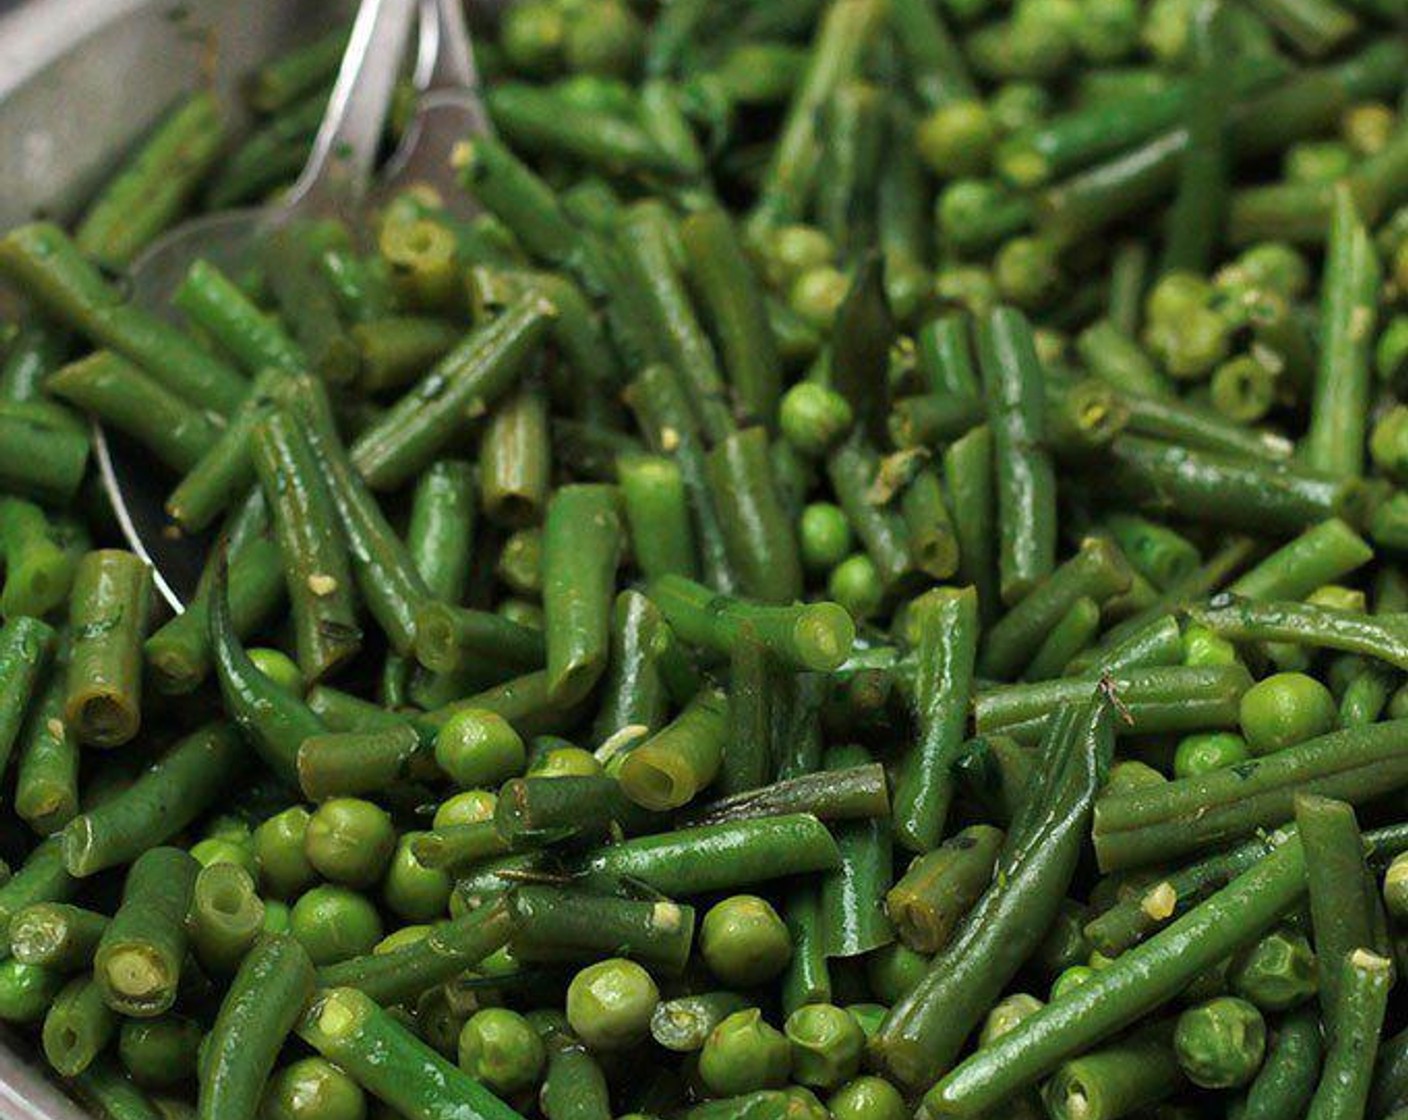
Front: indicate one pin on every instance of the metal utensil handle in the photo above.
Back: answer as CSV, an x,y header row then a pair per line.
x,y
446,59
340,166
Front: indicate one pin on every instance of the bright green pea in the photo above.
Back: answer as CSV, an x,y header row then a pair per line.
x,y
401,938
334,924
350,841
466,807
1396,888
476,747
744,1054
1202,647
824,536
1071,979
609,1004
1220,1043
313,1089
868,1098
500,1048
855,584
1130,774
565,762
1207,751
894,970
1285,709
814,418
221,849
1277,972
956,140
743,941
1006,1014
816,295
279,842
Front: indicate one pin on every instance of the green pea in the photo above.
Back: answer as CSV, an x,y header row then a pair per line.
x,y
814,418
868,1098
565,762
1202,647
1220,1043
1285,709
743,941
413,891
470,806
313,1089
334,923
399,939
1006,1014
744,1054
604,38
1277,972
957,139
279,667
161,1052
824,536
1368,127
827,1044
531,35
1027,271
476,747
1277,266
279,842
350,841
1207,751
1130,774
855,583
500,1048
795,249
609,1004
222,849
1070,979
816,295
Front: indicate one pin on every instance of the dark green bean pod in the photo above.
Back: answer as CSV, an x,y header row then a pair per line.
x,y
926,1028
1384,637
942,886
947,622
56,935
26,647
1114,1081
43,877
1348,1072
852,897
635,693
272,718
447,950
43,451
655,501
46,783
534,811
289,257
108,614
39,348
932,538
852,468
582,542
140,955
221,308
670,768
682,1024
40,555
758,535
347,763
264,1003
347,1027
1156,823
1026,485
748,748
78,1026
575,1087
1288,1077
171,793
849,793
551,925
317,570
516,459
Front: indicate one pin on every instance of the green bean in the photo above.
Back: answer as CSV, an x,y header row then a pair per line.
x,y
816,636
1349,1060
968,473
1322,554
1288,1076
38,349
682,1024
40,557
654,497
938,69
220,307
852,898
852,468
1340,406
1098,570
928,419
42,260
1026,486
56,935
290,75
1384,637
42,454
447,950
926,1027
671,767
1221,489
932,539
516,459
149,193
104,1087
575,1087
170,794
947,622
851,793
1071,635
348,1028
1159,698
1181,816
26,647
941,886
563,925
264,1003
581,549
761,546
46,784
139,957
289,259
27,991
78,1026
471,377
1145,977
108,614
748,748
43,877
317,569
396,350
836,55
634,693
1343,902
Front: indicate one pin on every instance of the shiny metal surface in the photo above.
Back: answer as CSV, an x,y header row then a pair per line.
x,y
80,82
